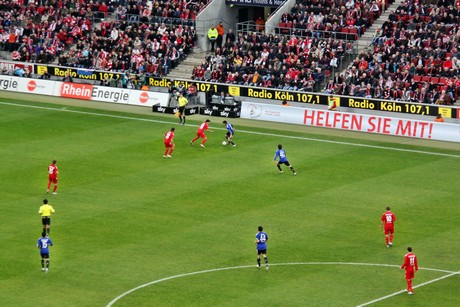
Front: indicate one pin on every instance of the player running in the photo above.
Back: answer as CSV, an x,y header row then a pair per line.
x,y
230,133
200,133
281,154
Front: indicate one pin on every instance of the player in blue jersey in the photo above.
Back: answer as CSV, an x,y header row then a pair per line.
x,y
281,154
261,242
43,245
230,132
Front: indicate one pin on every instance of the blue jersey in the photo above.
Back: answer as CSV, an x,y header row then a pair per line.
x,y
230,128
281,154
262,237
43,244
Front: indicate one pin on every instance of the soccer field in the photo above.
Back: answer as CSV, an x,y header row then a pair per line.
x,y
134,229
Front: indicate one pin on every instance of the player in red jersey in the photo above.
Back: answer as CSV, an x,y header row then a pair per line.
x,y
169,143
388,224
200,133
411,266
52,177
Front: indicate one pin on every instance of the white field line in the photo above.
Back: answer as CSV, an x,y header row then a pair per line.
x,y
275,264
239,131
404,291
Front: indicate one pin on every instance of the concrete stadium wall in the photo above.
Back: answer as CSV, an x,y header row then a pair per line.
x,y
216,11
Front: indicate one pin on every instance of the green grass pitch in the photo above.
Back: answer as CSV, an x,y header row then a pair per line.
x,y
127,217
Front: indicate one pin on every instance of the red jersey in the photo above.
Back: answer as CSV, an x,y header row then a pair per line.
x,y
52,171
388,218
410,262
204,126
169,136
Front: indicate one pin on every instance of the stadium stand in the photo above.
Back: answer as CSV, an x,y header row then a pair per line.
x,y
414,58
149,39
308,46
276,61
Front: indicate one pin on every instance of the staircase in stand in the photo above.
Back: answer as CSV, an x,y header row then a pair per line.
x,y
364,42
185,68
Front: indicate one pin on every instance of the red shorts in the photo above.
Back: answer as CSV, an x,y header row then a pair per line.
x,y
389,229
410,273
168,145
201,135
52,179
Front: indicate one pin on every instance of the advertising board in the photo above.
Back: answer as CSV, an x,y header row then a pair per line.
x,y
36,86
352,121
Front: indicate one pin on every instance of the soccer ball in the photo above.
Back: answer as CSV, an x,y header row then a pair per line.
x,y
224,143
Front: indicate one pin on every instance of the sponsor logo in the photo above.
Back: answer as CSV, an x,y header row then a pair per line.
x,y
192,111
254,111
76,90
224,114
113,95
8,83
144,97
207,112
31,85
161,109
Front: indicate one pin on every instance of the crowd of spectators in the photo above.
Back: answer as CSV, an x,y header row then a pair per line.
x,y
274,61
143,37
151,49
303,53
175,12
39,31
415,57
322,18
298,59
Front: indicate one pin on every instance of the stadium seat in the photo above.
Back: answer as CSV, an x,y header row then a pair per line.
x,y
354,32
417,78
283,28
442,81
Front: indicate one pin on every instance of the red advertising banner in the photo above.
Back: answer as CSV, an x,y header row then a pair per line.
x,y
76,90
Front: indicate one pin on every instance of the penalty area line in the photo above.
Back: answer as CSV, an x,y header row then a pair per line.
x,y
403,291
240,131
